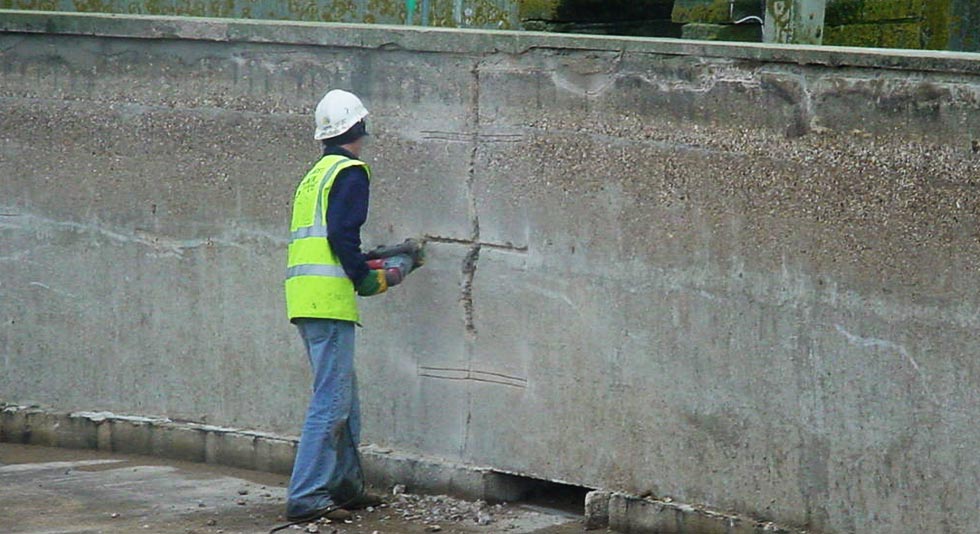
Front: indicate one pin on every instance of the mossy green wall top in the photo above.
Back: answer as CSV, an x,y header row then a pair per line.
x,y
467,13
915,24
935,24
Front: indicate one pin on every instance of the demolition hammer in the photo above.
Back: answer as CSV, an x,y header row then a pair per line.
x,y
397,261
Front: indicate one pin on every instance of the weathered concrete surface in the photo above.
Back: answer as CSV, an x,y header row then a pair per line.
x,y
738,276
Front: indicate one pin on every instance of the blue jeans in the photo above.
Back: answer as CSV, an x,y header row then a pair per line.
x,y
327,470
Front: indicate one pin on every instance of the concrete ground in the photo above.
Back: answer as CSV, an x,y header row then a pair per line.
x,y
45,490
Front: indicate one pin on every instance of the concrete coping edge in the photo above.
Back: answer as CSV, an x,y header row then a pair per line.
x,y
383,467
466,41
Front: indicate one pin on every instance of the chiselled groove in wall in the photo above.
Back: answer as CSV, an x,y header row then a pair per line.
x,y
470,261
475,375
467,137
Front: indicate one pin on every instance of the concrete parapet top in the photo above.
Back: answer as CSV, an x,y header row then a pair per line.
x,y
445,40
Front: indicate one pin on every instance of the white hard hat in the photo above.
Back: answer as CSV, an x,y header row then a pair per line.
x,y
336,113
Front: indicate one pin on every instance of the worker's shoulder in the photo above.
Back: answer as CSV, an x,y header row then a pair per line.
x,y
352,179
354,168
359,168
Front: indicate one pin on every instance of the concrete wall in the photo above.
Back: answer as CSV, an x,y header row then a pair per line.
x,y
734,275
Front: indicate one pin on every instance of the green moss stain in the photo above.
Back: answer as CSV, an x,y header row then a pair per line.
x,y
538,9
93,5
386,10
934,24
851,35
841,12
36,5
892,10
488,14
901,35
723,32
877,35
156,7
442,14
714,11
964,32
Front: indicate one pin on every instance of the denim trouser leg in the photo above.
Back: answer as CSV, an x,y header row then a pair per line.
x,y
327,469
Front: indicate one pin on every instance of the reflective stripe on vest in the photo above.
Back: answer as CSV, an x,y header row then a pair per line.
x,y
335,271
309,231
316,284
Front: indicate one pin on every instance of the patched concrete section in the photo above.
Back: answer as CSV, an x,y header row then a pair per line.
x,y
733,276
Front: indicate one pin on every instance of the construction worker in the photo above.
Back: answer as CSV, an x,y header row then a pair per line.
x,y
325,269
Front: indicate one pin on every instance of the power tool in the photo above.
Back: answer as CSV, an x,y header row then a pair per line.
x,y
397,261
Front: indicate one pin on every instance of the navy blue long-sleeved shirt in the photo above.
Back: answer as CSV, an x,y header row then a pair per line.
x,y
347,211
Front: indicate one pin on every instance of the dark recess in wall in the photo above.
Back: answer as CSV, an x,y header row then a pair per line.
x,y
648,18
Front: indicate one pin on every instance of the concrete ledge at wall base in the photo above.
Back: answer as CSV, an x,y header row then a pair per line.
x,y
260,451
466,41
148,436
636,515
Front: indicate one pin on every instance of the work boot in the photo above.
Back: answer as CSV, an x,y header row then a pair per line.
x,y
312,515
364,500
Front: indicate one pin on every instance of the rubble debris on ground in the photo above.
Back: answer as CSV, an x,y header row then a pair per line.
x,y
434,512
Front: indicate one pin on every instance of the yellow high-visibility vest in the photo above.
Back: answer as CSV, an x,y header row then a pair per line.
x,y
316,285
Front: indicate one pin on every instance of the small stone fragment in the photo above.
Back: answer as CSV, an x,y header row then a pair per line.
x,y
243,492
398,489
433,528
212,522
240,502
114,515
313,528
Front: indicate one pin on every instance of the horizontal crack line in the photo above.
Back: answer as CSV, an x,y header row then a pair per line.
x,y
469,242
469,137
163,244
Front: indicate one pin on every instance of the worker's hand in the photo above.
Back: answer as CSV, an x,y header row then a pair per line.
x,y
375,283
393,277
396,268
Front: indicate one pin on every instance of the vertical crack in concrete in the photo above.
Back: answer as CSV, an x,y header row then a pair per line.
x,y
466,296
470,261
473,255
